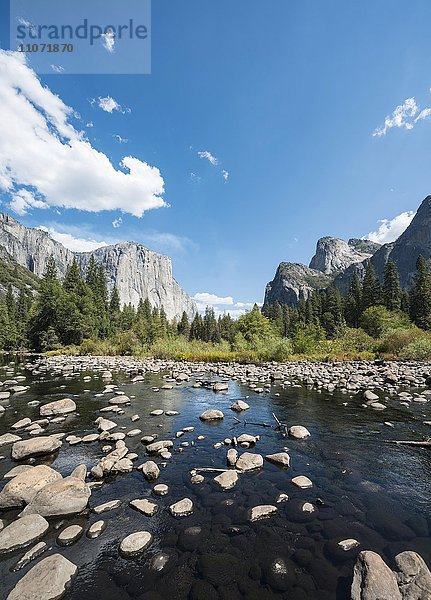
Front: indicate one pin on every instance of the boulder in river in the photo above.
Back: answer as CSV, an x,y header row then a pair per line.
x,y
262,511
413,576
298,432
48,579
35,447
58,407
211,414
249,462
67,496
135,543
227,480
240,405
182,508
23,487
373,579
279,458
150,470
22,532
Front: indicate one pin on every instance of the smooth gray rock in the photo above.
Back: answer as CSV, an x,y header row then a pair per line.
x,y
182,508
249,462
211,415
23,487
69,535
413,576
279,458
8,438
35,447
135,543
373,579
22,532
49,579
145,506
150,470
64,497
58,407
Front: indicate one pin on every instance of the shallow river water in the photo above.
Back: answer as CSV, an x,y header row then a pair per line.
x,y
363,488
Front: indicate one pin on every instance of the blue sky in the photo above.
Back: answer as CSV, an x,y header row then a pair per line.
x,y
281,99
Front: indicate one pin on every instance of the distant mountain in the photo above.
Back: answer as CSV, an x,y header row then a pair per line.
x,y
294,282
136,271
336,261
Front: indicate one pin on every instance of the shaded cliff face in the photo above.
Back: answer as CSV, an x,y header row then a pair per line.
x,y
294,282
136,271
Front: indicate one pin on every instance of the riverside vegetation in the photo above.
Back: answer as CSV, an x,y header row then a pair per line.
x,y
79,316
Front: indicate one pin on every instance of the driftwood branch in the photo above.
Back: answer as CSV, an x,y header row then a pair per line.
x,y
425,444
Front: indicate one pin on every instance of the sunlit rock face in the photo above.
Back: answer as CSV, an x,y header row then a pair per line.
x,y
136,271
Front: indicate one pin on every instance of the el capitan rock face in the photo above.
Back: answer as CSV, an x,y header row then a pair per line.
x,y
137,272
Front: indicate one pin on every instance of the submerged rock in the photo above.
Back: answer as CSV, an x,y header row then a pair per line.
x,y
373,579
30,555
302,482
48,579
106,506
262,511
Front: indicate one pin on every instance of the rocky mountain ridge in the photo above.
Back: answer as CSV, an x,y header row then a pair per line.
x,y
336,261
136,271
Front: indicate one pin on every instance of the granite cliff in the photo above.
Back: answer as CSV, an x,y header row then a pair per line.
x,y
136,271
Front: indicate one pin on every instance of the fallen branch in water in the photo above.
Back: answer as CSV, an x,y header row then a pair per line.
x,y
258,424
425,444
210,470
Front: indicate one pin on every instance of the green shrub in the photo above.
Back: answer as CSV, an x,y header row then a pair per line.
x,y
376,320
355,340
417,350
394,340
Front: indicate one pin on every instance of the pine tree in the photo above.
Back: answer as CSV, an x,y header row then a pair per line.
x,y
370,288
391,291
114,303
420,295
184,325
50,273
10,303
353,302
196,328
73,281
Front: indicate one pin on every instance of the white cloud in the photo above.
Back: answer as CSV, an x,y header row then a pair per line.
x,y
57,68
41,150
424,114
116,223
225,174
89,124
120,139
212,159
23,200
167,242
109,41
400,117
73,243
108,104
222,305
391,229
195,178
212,299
